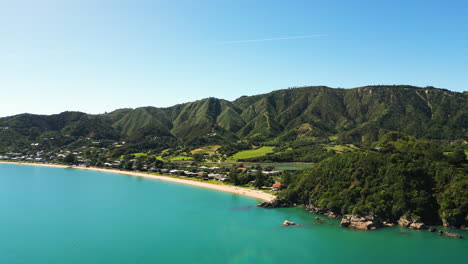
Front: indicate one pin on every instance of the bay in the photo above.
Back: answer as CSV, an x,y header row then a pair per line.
x,y
51,215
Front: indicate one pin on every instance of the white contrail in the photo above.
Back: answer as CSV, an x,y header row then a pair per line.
x,y
268,39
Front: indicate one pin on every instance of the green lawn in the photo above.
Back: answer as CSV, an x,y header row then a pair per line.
x,y
250,153
176,158
139,154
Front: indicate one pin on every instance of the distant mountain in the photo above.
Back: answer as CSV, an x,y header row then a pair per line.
x,y
359,116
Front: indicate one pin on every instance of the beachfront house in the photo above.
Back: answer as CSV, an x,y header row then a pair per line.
x,y
277,186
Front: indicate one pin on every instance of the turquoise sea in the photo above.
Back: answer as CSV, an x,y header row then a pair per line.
x,y
50,215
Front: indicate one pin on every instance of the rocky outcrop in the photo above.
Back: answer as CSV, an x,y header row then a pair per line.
x,y
277,203
360,223
288,223
409,222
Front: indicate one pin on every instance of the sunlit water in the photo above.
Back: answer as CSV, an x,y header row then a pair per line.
x,y
50,215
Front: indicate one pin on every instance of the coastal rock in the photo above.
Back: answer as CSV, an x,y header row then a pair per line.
x,y
359,223
288,223
388,224
331,215
417,225
276,204
345,222
445,222
409,222
404,222
432,229
314,209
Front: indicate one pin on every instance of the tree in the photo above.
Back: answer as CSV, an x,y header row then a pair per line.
x,y
259,179
70,159
457,157
286,178
140,161
234,176
198,157
129,165
158,164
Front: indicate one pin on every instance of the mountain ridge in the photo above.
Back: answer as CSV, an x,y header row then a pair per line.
x,y
358,115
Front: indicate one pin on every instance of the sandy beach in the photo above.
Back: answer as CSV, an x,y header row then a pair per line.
x,y
225,188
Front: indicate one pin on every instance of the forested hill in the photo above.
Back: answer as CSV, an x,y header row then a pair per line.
x,y
401,177
354,116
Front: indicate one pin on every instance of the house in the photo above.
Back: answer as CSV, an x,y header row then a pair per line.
x,y
271,172
277,186
190,174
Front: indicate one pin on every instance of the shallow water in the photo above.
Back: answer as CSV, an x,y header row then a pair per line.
x,y
50,215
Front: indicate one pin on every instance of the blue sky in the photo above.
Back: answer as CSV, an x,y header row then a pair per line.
x,y
98,55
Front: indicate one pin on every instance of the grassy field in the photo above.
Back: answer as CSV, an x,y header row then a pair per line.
x,y
206,149
136,155
341,148
250,153
174,158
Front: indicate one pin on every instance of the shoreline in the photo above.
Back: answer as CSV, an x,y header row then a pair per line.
x,y
259,195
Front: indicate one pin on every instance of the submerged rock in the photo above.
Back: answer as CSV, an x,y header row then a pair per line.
x,y
288,223
241,208
276,204
452,235
360,223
